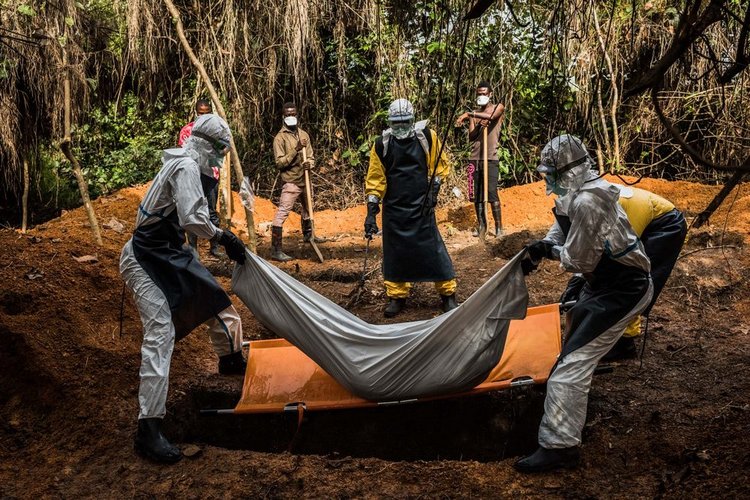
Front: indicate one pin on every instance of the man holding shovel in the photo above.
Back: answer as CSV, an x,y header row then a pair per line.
x,y
294,155
484,133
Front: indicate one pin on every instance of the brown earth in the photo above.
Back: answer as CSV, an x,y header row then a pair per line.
x,y
676,427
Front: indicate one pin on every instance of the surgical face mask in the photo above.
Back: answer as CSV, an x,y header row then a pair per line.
x,y
290,121
552,184
483,100
402,130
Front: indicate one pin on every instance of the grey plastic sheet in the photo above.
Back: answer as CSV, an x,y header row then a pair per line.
x,y
449,353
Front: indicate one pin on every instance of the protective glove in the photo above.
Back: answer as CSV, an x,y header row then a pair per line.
x,y
233,246
527,266
371,226
537,250
573,290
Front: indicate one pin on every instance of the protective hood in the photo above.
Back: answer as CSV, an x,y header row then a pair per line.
x,y
210,135
567,159
400,110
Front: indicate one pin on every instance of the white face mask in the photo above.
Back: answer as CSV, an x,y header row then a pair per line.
x,y
290,121
483,100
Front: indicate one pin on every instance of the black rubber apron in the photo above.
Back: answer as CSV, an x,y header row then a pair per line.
x,y
611,291
413,249
663,240
194,296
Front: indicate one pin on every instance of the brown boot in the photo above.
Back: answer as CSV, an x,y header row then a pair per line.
x,y
276,242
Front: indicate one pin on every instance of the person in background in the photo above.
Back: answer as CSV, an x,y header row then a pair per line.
x,y
402,163
288,145
209,181
202,107
173,291
593,237
487,115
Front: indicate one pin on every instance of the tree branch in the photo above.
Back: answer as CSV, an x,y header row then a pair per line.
x,y
219,109
691,26
687,148
706,214
743,58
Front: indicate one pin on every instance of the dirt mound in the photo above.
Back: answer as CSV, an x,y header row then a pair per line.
x,y
69,376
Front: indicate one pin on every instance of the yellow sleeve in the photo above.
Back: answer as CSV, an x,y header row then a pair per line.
x,y
375,181
443,167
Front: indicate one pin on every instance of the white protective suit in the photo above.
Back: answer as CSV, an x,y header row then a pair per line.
x,y
177,187
601,245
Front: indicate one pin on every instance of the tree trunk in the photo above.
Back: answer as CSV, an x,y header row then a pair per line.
x,y
225,194
67,150
719,198
25,197
219,109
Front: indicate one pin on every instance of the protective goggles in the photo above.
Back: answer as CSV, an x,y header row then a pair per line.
x,y
220,146
548,166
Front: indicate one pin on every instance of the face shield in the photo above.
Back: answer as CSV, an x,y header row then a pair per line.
x,y
401,118
210,141
219,149
551,180
402,129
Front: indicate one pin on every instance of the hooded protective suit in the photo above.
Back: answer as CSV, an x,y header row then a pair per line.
x,y
402,161
591,236
173,291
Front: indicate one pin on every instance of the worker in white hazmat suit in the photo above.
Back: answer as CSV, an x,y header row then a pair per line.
x,y
591,236
174,292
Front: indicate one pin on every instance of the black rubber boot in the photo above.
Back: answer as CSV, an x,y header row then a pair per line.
x,y
307,232
276,242
216,250
481,220
624,348
151,443
394,307
497,214
232,364
544,459
449,302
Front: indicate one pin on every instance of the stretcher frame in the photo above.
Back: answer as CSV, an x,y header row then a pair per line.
x,y
531,350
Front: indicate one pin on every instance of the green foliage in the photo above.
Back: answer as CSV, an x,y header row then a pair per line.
x,y
120,145
26,10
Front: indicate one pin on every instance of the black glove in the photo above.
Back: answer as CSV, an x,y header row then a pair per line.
x,y
537,250
527,266
371,226
233,246
573,290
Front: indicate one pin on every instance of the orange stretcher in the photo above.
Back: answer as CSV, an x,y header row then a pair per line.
x,y
280,377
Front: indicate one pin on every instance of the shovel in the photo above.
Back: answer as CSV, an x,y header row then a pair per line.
x,y
308,201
